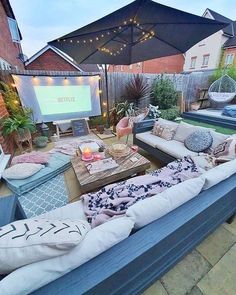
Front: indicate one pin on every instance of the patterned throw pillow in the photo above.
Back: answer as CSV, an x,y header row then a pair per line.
x,y
227,149
165,132
198,141
27,241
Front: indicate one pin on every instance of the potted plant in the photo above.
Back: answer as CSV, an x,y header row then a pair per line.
x,y
137,89
41,141
121,110
19,126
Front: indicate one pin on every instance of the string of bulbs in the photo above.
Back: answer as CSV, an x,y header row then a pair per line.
x,y
144,36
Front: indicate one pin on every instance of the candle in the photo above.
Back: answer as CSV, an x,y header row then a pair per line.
x,y
87,153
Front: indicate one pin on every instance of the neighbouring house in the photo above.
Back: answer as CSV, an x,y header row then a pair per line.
x,y
50,58
170,64
209,53
11,56
230,50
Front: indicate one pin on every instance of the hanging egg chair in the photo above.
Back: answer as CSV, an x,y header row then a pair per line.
x,y
222,90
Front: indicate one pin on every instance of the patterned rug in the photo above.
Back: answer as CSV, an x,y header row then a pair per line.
x,y
46,197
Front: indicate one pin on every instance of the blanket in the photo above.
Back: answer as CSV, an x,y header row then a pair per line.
x,y
113,200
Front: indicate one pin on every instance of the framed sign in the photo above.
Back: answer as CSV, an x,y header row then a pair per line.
x,y
80,127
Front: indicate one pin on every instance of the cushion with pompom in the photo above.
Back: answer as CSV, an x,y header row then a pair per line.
x,y
198,141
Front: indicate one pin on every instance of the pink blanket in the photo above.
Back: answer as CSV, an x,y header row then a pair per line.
x,y
33,157
114,199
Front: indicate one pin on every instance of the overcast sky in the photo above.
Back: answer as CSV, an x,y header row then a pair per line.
x,y
41,21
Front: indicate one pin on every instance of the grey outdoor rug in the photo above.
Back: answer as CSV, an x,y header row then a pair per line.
x,y
46,197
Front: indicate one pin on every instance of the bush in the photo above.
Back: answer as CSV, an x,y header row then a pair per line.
x,y
230,71
164,94
170,114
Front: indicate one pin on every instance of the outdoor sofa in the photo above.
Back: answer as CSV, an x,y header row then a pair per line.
x,y
168,151
136,262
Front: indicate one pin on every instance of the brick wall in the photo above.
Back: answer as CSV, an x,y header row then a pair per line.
x,y
6,143
9,50
170,64
50,61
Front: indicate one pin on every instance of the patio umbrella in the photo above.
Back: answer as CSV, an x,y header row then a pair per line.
x,y
140,31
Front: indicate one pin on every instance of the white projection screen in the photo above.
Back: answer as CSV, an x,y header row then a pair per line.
x,y
59,98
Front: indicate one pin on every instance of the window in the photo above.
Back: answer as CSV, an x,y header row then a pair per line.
x,y
130,67
205,60
4,65
121,68
138,65
14,29
229,59
193,62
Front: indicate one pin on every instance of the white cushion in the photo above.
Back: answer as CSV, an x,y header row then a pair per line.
x,y
148,210
218,138
22,171
172,147
185,129
149,138
33,276
72,211
219,173
26,241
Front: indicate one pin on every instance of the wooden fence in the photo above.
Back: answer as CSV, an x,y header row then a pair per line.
x,y
188,84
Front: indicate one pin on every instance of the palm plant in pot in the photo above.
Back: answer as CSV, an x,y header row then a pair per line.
x,y
19,126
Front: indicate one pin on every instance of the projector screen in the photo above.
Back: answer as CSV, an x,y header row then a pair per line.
x,y
59,98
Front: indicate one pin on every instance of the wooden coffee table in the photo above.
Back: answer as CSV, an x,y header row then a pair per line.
x,y
126,169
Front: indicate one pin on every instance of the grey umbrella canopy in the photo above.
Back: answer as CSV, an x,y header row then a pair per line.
x,y
140,31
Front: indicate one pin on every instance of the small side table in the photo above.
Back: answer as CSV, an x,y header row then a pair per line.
x,y
10,210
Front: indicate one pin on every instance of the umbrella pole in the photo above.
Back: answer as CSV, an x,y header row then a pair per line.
x,y
107,98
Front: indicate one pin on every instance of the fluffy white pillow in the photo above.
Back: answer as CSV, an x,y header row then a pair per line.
x,y
219,173
22,171
41,273
150,209
27,241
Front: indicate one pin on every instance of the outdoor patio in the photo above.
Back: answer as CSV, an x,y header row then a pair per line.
x,y
208,270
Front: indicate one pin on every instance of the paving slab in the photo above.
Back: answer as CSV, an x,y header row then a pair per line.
x,y
156,289
231,227
221,279
216,245
195,291
184,276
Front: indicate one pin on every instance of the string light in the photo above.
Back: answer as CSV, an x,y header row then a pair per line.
x,y
145,35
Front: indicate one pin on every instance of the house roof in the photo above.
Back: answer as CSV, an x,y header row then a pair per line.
x,y
9,12
79,67
231,42
229,30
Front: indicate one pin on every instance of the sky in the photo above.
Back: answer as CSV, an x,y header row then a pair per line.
x,y
41,21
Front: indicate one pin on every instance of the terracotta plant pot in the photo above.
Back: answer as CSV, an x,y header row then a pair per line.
x,y
22,136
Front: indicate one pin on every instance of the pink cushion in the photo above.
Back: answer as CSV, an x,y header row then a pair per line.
x,y
33,157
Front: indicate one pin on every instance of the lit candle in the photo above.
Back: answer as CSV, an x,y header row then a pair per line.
x,y
87,153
